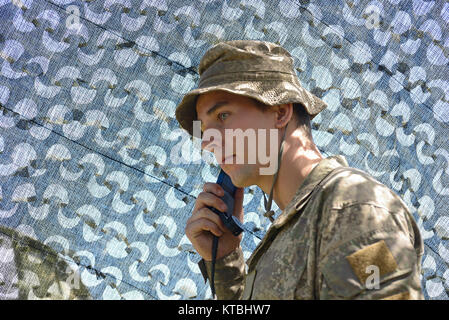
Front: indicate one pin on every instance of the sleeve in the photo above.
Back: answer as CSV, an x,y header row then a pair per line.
x,y
229,275
368,252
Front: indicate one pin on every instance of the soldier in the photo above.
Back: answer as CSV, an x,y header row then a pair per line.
x,y
341,234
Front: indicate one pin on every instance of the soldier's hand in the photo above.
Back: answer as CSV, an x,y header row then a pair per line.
x,y
204,223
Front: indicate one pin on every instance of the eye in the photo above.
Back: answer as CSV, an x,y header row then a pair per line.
x,y
223,115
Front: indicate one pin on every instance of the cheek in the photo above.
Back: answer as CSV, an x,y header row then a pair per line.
x,y
253,120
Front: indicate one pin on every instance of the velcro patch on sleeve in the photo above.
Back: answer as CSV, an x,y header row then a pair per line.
x,y
377,255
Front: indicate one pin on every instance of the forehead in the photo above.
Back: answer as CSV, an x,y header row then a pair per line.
x,y
207,100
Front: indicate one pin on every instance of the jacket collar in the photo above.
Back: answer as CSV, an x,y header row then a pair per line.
x,y
318,173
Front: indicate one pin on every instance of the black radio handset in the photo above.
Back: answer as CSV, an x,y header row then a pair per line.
x,y
228,219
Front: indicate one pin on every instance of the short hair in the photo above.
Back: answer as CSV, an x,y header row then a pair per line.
x,y
299,112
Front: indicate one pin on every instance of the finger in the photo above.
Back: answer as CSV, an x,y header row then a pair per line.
x,y
213,188
206,213
207,199
197,227
210,187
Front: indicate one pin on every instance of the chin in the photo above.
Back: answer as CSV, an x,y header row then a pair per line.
x,y
241,177
240,184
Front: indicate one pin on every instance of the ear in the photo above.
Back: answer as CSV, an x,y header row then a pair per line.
x,y
284,113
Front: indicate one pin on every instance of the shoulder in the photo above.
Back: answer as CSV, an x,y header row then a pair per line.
x,y
353,186
355,204
363,225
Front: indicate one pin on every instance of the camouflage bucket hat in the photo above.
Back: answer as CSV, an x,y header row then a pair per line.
x,y
255,69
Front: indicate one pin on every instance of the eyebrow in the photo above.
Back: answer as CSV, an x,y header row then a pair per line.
x,y
219,104
216,106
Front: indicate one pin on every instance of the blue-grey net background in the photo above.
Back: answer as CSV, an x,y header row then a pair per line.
x,y
88,134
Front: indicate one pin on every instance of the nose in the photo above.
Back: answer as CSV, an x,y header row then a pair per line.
x,y
209,144
204,144
211,137
212,140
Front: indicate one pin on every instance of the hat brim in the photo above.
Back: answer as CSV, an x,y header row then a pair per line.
x,y
270,92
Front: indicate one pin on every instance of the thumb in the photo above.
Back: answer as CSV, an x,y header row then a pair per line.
x,y
238,203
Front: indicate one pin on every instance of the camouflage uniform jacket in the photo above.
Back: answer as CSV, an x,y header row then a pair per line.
x,y
352,238
31,270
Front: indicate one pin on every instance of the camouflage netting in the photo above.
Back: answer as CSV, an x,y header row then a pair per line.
x,y
90,151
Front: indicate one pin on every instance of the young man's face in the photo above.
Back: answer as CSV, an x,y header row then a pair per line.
x,y
220,110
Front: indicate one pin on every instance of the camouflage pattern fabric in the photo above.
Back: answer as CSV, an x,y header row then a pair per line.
x,y
30,270
256,69
343,236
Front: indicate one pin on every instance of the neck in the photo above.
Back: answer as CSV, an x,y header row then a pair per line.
x,y
299,157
